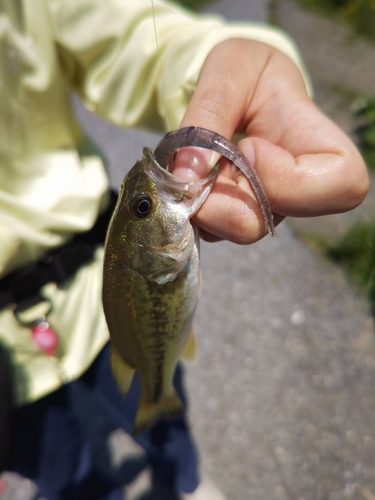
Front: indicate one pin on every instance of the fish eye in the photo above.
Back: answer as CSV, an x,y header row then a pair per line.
x,y
141,206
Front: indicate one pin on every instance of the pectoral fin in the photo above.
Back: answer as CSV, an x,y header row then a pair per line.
x,y
122,372
148,413
190,352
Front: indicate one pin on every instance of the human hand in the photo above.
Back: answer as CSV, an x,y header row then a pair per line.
x,y
307,165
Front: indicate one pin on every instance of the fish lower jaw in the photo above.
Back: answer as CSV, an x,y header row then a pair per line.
x,y
162,279
163,276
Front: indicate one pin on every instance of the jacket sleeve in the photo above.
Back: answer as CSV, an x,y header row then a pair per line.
x,y
110,52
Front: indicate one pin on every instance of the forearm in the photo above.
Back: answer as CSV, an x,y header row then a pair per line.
x,y
112,55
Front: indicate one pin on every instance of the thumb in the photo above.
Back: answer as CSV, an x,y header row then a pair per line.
x,y
219,103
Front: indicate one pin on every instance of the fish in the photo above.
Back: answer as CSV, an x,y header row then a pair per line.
x,y
151,272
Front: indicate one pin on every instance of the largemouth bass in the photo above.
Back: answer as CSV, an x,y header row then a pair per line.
x,y
151,275
151,282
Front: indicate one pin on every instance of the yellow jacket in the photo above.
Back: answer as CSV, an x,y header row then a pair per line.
x,y
50,186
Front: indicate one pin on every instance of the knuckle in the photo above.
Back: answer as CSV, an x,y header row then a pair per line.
x,y
245,221
357,179
216,106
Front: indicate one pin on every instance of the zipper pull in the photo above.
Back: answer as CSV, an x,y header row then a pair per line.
x,y
45,337
32,312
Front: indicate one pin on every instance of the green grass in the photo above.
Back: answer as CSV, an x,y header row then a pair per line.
x,y
348,94
364,109
369,157
354,252
193,4
359,14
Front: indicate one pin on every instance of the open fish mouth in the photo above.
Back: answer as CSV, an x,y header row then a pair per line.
x,y
191,193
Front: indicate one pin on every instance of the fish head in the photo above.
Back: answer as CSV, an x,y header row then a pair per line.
x,y
152,219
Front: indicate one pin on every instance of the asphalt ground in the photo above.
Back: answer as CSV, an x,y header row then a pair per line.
x,y
281,398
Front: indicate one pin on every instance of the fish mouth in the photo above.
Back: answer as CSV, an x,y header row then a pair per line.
x,y
191,193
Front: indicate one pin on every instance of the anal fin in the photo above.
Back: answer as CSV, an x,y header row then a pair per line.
x,y
190,351
122,372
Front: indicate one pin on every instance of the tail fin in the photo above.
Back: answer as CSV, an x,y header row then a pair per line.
x,y
148,413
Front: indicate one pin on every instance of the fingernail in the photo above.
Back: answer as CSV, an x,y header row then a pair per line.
x,y
194,163
248,150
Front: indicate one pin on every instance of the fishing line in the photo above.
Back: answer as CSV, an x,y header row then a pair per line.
x,y
160,65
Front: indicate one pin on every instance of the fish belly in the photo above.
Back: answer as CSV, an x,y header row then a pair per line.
x,y
149,325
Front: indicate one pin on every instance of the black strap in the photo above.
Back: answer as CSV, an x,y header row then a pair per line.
x,y
7,404
23,285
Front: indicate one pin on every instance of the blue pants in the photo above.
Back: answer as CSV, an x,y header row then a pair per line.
x,y
61,440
